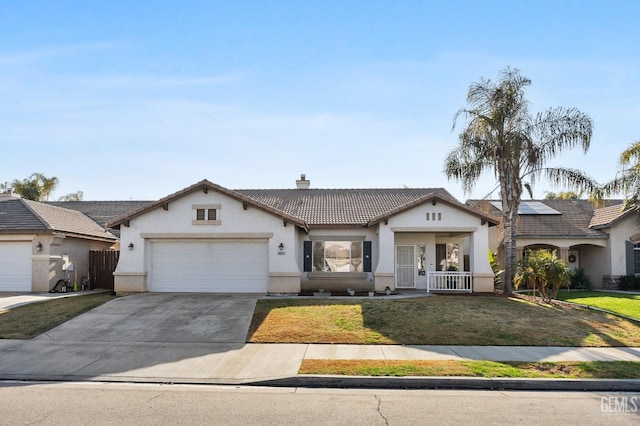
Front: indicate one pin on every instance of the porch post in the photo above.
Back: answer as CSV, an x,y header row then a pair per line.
x,y
384,275
479,260
563,253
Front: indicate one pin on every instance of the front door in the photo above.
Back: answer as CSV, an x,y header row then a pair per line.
x,y
405,267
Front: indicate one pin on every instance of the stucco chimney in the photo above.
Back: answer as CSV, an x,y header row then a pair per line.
x,y
303,183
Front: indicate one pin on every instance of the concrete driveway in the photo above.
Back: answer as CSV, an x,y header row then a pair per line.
x,y
162,318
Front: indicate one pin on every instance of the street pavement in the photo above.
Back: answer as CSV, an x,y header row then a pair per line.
x,y
168,338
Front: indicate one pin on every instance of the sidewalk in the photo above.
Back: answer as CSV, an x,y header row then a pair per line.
x,y
278,364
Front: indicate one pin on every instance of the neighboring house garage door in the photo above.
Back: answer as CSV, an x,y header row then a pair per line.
x,y
209,266
15,266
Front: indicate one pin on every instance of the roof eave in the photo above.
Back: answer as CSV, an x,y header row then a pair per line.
x,y
435,198
204,185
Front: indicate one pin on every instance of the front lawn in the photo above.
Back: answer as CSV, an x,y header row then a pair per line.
x,y
620,303
25,322
564,370
437,320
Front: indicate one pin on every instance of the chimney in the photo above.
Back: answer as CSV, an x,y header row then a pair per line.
x,y
303,183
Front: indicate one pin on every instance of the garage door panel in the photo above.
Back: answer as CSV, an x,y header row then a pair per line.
x,y
201,266
15,266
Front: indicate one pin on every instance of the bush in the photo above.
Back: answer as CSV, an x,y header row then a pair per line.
x,y
629,283
580,280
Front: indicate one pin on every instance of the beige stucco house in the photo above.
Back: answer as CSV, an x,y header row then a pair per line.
x,y
605,242
39,241
206,238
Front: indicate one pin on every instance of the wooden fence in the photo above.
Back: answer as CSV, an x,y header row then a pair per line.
x,y
102,263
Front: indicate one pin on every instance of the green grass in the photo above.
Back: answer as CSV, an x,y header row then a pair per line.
x,y
437,320
488,369
623,304
25,322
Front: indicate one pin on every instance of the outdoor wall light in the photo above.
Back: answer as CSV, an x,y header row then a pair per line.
x,y
39,247
130,246
281,247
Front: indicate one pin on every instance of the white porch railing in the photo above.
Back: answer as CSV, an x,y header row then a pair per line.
x,y
449,281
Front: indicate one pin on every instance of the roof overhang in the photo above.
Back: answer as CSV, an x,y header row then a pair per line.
x,y
204,186
434,198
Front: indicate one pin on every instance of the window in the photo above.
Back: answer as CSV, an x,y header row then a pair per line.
x,y
447,257
206,215
211,214
636,258
337,256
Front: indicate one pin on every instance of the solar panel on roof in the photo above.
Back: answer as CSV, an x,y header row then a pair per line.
x,y
530,208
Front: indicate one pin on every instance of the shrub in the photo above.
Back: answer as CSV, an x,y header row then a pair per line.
x,y
543,270
580,280
629,283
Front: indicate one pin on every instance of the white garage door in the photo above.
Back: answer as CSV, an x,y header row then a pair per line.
x,y
209,266
15,266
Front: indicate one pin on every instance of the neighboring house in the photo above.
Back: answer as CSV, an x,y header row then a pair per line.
x,y
37,239
605,242
101,212
206,238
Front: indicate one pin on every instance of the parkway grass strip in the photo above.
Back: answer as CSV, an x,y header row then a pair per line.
x,y
486,369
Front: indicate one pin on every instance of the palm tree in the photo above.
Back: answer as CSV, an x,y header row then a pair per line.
x,y
500,134
629,179
541,269
36,187
531,272
47,184
558,273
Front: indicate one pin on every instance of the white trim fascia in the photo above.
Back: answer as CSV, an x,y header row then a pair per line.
x,y
209,236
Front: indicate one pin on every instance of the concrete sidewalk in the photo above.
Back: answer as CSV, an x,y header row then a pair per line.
x,y
277,364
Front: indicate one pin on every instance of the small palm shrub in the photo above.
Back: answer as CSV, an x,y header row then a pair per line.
x,y
543,271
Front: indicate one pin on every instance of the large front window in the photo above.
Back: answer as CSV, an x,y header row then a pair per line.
x,y
337,256
636,258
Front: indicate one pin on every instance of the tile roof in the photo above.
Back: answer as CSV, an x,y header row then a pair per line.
x,y
102,212
340,206
20,215
318,207
576,219
205,186
607,215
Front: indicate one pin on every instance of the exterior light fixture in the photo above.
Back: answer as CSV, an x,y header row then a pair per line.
x,y
130,246
39,247
281,247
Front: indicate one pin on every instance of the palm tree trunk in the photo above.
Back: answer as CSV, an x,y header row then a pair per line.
x,y
510,204
509,254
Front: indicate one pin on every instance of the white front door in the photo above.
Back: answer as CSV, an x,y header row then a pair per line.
x,y
405,267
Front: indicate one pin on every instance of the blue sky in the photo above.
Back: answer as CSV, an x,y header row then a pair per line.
x,y
136,100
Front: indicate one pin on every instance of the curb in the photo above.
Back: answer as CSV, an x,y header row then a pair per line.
x,y
366,382
466,383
